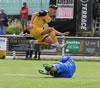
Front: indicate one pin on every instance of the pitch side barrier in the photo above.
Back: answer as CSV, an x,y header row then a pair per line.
x,y
74,45
24,43
81,45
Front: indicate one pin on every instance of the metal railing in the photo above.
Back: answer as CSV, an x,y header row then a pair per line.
x,y
90,43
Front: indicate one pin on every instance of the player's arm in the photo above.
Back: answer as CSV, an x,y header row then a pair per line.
x,y
30,26
41,13
61,34
33,17
65,59
57,32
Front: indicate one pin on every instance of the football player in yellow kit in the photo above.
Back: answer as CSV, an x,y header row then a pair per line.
x,y
45,35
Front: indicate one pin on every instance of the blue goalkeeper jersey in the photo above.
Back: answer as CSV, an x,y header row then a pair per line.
x,y
65,68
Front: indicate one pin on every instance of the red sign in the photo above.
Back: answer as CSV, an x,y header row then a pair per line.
x,y
65,13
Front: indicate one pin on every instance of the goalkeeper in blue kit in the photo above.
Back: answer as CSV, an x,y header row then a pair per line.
x,y
63,69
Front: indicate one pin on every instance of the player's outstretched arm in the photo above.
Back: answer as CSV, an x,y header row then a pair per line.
x,y
41,13
33,16
50,24
61,34
65,58
30,26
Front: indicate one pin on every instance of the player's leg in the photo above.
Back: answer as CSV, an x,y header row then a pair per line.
x,y
37,33
47,30
53,37
42,36
52,33
48,40
43,43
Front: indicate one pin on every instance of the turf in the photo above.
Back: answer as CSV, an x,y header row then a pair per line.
x,y
24,74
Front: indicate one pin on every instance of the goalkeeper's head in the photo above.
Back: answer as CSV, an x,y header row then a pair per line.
x,y
51,70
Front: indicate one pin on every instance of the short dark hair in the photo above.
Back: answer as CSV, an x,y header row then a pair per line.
x,y
53,7
53,73
24,3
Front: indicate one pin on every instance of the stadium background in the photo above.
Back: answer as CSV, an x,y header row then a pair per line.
x,y
12,8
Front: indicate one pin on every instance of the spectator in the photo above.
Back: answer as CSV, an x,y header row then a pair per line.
x,y
3,22
37,51
24,15
37,54
28,52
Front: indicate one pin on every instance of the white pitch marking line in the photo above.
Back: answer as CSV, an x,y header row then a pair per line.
x,y
18,74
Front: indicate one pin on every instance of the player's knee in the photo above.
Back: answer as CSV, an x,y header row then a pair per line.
x,y
49,40
50,29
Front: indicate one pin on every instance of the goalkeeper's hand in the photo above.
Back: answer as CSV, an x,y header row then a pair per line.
x,y
41,71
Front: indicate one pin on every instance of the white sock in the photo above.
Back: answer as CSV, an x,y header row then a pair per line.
x,y
34,41
56,44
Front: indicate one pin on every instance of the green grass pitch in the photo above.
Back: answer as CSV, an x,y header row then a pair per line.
x,y
24,74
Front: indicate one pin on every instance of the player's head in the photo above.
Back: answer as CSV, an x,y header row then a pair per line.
x,y
49,69
52,10
52,70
